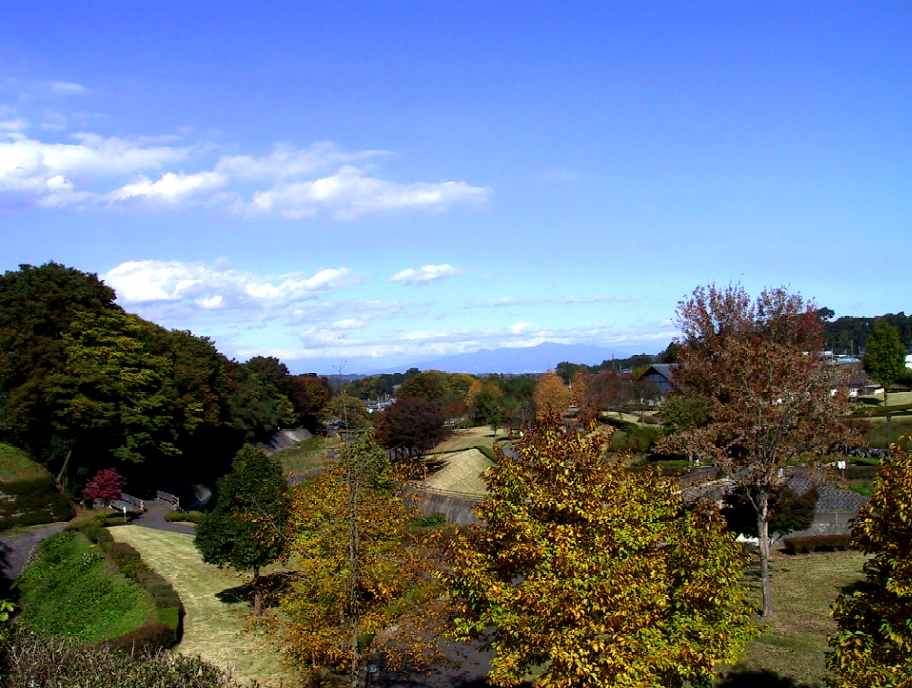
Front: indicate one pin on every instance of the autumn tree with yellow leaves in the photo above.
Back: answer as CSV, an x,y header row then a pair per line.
x,y
551,396
873,646
363,584
596,575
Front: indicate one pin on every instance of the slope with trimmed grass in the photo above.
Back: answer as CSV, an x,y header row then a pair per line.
x,y
215,624
28,496
70,590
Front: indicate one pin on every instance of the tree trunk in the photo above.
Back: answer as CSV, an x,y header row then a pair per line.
x,y
763,536
62,473
257,593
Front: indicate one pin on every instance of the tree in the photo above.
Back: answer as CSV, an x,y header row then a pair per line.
x,y
873,646
579,392
789,511
363,581
247,528
348,412
885,355
411,423
770,393
309,394
106,485
551,396
598,574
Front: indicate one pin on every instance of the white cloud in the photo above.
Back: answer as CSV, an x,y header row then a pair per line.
x,y
170,187
426,273
286,161
16,124
67,88
349,324
289,182
209,303
519,327
210,288
350,193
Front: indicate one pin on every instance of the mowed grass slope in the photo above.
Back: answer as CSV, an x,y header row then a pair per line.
x,y
217,631
69,590
469,438
16,465
794,643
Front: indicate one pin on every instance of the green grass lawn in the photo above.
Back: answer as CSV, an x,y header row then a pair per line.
x,y
216,630
308,456
16,465
804,587
882,434
69,590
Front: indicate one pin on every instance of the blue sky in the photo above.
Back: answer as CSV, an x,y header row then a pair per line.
x,y
372,184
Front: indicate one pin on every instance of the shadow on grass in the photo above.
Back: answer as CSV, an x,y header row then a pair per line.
x,y
759,679
271,586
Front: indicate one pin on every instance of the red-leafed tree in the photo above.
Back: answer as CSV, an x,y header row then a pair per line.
x,y
771,396
411,423
106,485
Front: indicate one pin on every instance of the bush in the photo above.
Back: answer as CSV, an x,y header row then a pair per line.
x,y
28,660
817,543
185,517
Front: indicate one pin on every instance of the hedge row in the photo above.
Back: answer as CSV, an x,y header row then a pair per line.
x,y
185,517
816,543
166,628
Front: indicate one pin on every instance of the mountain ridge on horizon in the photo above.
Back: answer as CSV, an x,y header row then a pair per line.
x,y
517,360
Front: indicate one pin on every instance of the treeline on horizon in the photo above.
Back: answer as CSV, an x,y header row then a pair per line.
x,y
848,334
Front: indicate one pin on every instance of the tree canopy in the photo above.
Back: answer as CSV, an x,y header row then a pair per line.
x,y
770,395
247,528
873,646
596,575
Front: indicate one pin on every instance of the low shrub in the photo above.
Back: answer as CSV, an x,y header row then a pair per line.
x,y
87,518
185,517
817,543
28,660
861,472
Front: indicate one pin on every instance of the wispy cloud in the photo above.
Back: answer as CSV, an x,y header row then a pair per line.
x,y
210,287
425,274
67,88
288,182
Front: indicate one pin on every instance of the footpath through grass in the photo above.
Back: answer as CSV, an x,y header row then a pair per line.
x,y
69,590
214,629
804,587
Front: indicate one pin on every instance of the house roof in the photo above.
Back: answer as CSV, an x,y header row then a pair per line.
x,y
666,370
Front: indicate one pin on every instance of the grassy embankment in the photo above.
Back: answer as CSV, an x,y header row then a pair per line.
x,y
69,590
459,461
215,624
794,643
27,493
307,457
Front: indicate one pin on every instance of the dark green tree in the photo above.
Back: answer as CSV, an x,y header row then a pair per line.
x,y
885,355
247,528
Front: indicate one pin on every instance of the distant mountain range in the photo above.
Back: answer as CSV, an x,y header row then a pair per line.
x,y
515,360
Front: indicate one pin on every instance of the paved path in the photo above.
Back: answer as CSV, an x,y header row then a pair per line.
x,y
154,517
16,549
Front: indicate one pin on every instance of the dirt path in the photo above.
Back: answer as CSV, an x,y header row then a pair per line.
x,y
213,628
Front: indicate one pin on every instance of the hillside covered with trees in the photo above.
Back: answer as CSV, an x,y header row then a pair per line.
x,y
84,385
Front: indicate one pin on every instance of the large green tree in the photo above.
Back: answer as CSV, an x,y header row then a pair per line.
x,y
247,528
110,397
873,646
596,575
885,355
37,306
